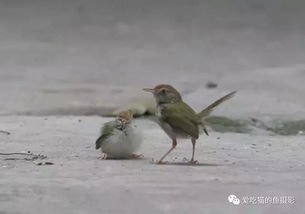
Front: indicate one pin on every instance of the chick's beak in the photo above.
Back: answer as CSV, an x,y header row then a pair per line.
x,y
149,90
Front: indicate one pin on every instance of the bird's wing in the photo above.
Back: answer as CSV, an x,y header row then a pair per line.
x,y
106,132
208,110
182,117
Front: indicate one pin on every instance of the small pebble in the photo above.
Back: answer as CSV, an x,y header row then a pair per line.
x,y
5,132
211,84
43,163
254,120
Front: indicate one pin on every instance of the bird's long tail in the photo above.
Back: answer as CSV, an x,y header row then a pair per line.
x,y
208,110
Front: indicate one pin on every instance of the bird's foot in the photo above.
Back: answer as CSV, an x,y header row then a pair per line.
x,y
159,161
194,161
103,156
137,156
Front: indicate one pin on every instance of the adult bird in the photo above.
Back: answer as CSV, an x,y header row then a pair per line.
x,y
177,118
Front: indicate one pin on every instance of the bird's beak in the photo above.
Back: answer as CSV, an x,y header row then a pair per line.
x,y
149,90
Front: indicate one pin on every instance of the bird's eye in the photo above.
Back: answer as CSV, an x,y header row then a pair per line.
x,y
163,91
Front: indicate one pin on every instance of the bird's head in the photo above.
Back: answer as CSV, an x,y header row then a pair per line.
x,y
164,94
124,118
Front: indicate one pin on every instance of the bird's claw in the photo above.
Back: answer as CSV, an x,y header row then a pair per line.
x,y
194,162
103,156
158,161
137,156
185,159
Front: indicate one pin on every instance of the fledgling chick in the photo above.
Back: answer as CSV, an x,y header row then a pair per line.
x,y
120,138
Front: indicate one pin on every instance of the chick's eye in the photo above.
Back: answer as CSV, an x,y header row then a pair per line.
x,y
163,91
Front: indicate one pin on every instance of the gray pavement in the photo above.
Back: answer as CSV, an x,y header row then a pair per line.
x,y
242,164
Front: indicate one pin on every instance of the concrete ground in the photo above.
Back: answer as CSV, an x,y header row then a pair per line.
x,y
245,165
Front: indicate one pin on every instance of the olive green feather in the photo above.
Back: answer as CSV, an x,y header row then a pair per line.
x,y
107,130
208,110
182,117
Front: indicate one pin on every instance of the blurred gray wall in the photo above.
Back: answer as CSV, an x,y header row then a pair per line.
x,y
47,46
95,41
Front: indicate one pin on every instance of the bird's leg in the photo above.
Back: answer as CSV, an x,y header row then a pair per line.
x,y
104,156
174,144
137,156
193,153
